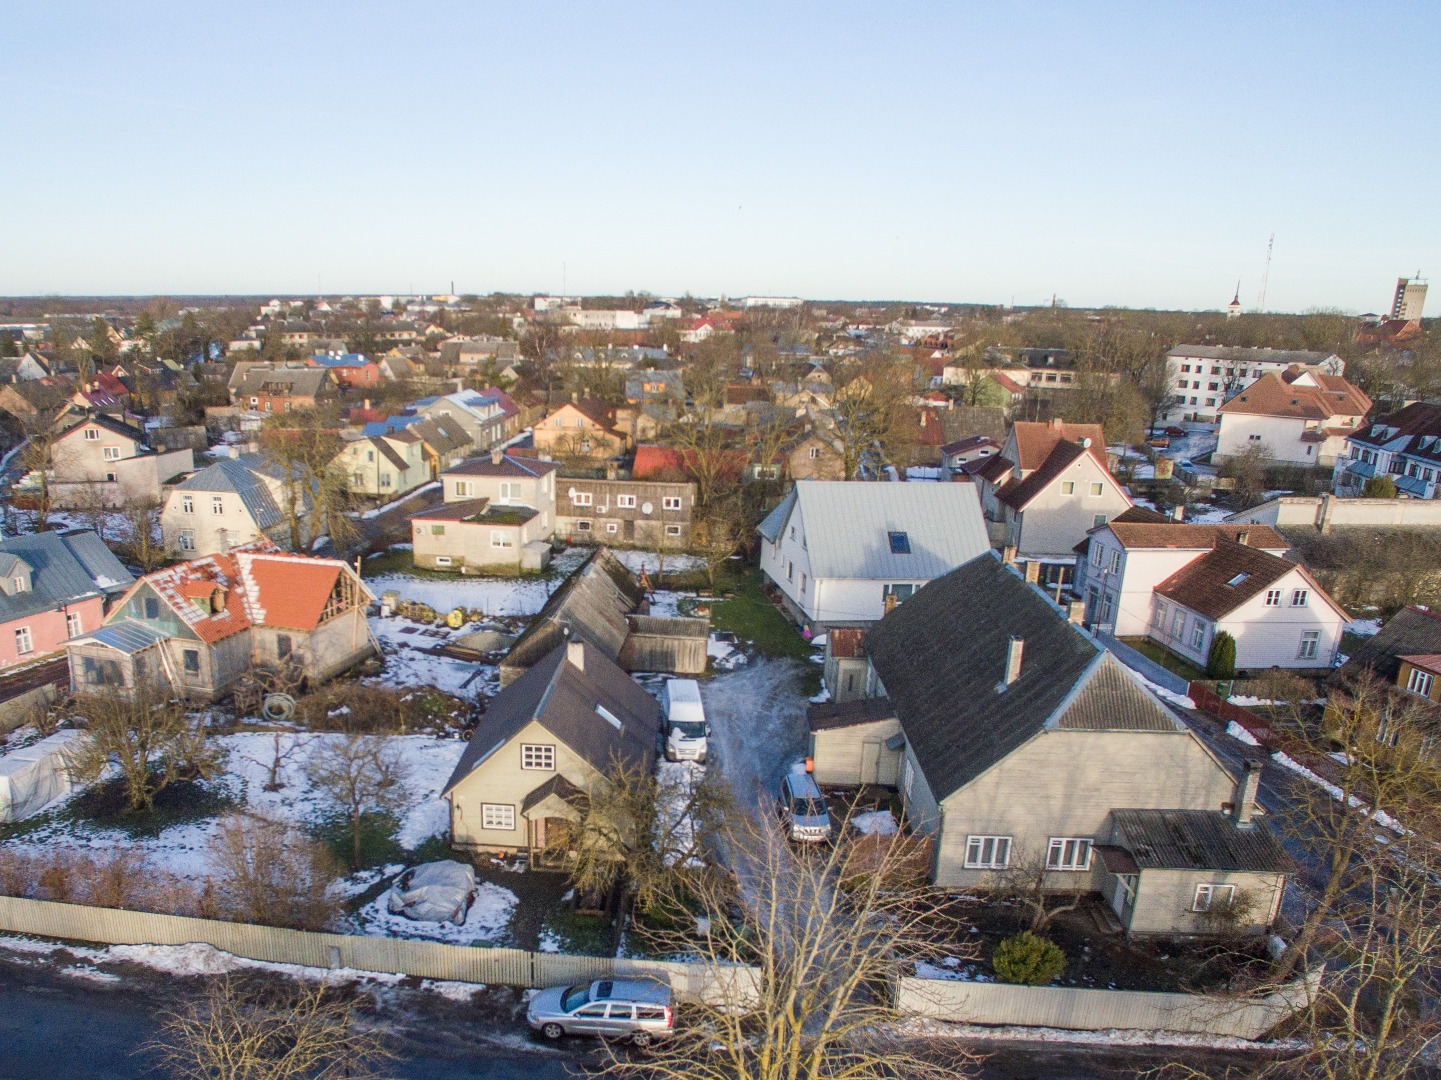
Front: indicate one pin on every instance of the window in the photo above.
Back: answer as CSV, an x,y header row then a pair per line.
x,y
537,756
1158,620
1198,634
191,661
1178,624
674,530
900,543
1068,487
1069,853
217,504
1213,898
152,608
988,852
1299,597
672,502
1115,562
110,453
1097,555
499,538
23,642
442,560
1273,597
803,583
283,646
385,480
437,530
1310,642
92,434
370,455
580,498
625,502
110,478
814,452
1097,488
187,539
98,672
510,491
612,527
17,584
187,504
497,816
1098,521
894,594
582,526
1186,368
464,489
1419,682
72,624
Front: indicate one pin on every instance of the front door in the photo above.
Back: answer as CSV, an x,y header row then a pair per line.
x,y
870,762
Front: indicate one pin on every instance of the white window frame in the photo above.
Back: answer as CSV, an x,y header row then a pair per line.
x,y
500,538
1310,645
582,526
1420,682
673,502
1069,853
988,852
1158,617
1299,597
625,502
217,505
24,641
74,624
497,816
1198,634
187,504
537,757
1115,562
110,453
92,434
1068,487
674,530
1273,597
1097,489
187,539
464,489
1205,898
1097,554
510,491
442,560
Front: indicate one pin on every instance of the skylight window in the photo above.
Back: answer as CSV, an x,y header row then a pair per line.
x,y
1237,580
900,543
608,716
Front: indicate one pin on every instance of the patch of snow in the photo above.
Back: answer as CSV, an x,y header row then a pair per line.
x,y
487,919
375,513
1240,734
876,823
452,991
1364,627
493,596
1380,817
408,663
1179,700
952,969
926,1028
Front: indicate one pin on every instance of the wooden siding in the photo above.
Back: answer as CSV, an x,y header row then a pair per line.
x,y
840,754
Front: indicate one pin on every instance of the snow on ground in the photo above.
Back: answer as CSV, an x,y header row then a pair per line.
x,y
678,779
1179,700
182,849
876,823
758,726
1363,627
649,561
407,663
493,596
1206,515
1385,820
487,919
952,969
919,1027
1240,734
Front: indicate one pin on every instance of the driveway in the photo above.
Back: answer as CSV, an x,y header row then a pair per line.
x,y
758,724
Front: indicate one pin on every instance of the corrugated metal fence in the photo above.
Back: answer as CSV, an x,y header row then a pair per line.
x,y
424,959
1093,1010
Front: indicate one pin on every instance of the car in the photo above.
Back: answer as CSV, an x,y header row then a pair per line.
x,y
1176,432
1159,442
686,728
803,809
637,1010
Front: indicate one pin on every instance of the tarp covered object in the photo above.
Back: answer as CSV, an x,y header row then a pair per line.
x,y
39,774
434,892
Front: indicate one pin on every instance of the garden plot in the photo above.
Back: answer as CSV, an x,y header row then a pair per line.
x,y
410,661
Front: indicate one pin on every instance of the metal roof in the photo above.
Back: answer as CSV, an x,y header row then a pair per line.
x,y
127,636
847,527
1197,840
231,475
63,567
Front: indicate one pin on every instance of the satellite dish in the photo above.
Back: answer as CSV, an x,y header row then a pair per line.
x,y
1086,443
571,494
646,508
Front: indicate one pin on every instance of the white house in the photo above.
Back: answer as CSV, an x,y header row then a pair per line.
x,y
106,462
1205,375
1405,445
384,466
1179,585
1301,416
846,552
225,505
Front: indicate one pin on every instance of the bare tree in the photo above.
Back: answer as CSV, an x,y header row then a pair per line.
x,y
826,930
147,736
267,872
1029,882
360,775
722,531
872,419
315,490
237,1032
144,545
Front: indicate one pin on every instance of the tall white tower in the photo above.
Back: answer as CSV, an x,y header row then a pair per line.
x,y
1410,298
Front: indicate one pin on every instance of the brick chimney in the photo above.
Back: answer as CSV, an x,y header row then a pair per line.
x,y
1178,512
496,456
1008,554
1243,802
1057,423
575,654
1033,571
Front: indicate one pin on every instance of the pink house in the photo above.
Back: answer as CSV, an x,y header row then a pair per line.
x,y
54,586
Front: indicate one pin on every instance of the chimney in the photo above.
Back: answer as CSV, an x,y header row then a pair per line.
x,y
1076,612
1178,512
496,455
1057,423
574,397
1014,648
367,404
1243,802
1033,572
1008,554
1243,536
575,654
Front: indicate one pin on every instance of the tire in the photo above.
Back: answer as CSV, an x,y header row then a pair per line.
x,y
642,1039
552,1030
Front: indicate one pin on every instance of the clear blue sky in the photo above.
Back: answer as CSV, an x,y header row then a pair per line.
x,y
1126,153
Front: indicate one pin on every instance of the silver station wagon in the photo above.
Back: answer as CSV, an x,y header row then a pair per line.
x,y
637,1010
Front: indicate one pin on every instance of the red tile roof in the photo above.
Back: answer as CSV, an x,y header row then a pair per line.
x,y
1277,395
1035,441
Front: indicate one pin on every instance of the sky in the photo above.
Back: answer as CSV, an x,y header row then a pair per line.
x,y
1134,154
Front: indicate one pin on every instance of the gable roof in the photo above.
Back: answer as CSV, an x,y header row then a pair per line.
x,y
1177,534
565,700
1412,631
1274,395
1204,583
1018,493
942,657
229,474
287,382
508,465
111,424
847,522
1035,441
64,566
590,605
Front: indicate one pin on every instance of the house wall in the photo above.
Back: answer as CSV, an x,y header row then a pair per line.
x,y
1066,783
371,472
48,629
501,780
1326,512
826,464
80,469
1129,589
221,664
1052,523
468,544
1279,435
1164,899
537,492
840,752
845,676
209,532
485,431
611,523
568,432
332,647
786,562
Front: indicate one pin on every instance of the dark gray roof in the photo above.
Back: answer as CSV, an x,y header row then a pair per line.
x,y
1410,632
564,699
1197,840
942,656
231,475
591,604
63,567
830,715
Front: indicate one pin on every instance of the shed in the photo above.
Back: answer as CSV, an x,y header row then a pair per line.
x,y
855,742
676,646
34,777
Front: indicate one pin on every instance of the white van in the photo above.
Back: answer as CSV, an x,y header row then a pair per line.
x,y
686,728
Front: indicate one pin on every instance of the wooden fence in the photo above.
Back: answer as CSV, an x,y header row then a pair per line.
x,y
1093,1010
424,959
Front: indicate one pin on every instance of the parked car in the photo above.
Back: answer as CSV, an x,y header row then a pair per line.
x,y
686,728
803,808
1159,442
1176,432
634,1009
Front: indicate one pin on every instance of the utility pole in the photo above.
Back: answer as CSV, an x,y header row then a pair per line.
x,y
1265,274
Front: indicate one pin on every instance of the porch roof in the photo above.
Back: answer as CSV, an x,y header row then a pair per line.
x,y
557,797
1197,840
127,636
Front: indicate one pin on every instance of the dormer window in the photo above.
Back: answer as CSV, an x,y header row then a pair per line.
x,y
18,584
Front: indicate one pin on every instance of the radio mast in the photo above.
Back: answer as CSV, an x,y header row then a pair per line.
x,y
1265,274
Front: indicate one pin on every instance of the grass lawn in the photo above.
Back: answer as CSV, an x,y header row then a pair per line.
x,y
752,617
1167,659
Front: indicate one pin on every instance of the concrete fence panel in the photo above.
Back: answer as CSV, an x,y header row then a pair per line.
x,y
1090,1010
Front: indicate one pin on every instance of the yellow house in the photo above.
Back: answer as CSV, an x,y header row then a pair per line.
x,y
584,428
